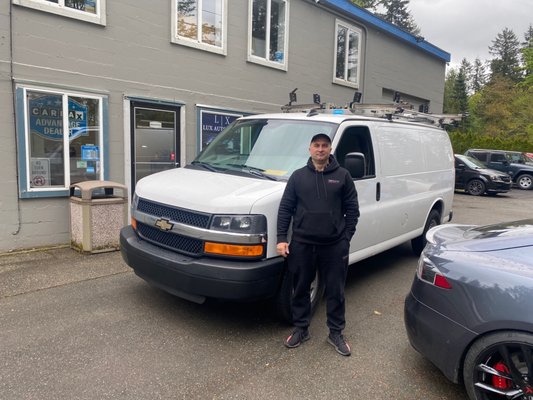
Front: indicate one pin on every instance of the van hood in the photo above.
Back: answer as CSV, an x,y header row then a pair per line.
x,y
206,191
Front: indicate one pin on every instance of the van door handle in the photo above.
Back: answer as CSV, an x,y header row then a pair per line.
x,y
378,191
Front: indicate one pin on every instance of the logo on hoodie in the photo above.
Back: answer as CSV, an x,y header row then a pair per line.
x,y
333,181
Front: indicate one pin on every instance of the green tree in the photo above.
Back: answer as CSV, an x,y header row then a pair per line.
x,y
506,49
449,104
368,4
393,11
397,13
495,107
527,45
528,67
460,90
455,90
467,69
479,76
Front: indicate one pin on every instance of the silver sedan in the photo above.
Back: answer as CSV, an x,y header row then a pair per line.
x,y
470,308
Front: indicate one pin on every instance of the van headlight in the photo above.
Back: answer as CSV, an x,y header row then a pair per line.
x,y
239,223
252,228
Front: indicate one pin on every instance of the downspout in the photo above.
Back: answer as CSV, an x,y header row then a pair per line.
x,y
14,102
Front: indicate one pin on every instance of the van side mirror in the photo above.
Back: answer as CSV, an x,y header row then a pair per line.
x,y
355,164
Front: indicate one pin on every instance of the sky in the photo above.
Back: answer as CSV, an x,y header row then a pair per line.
x,y
466,28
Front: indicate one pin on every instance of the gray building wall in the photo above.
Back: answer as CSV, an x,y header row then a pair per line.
x,y
132,56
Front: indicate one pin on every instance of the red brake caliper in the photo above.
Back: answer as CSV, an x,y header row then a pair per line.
x,y
499,382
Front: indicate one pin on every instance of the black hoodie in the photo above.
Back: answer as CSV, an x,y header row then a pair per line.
x,y
323,205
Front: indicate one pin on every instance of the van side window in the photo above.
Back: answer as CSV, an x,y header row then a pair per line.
x,y
356,139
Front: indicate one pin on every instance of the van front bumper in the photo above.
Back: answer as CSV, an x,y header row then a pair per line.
x,y
196,279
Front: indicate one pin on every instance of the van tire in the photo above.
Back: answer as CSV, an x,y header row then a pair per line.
x,y
419,242
283,298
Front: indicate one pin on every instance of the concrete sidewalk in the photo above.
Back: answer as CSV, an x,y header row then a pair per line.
x,y
29,271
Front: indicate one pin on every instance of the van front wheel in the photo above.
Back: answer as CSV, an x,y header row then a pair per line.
x,y
419,242
283,299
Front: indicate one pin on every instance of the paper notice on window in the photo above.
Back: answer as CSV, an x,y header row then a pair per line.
x,y
40,172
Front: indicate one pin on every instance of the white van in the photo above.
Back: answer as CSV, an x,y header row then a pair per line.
x,y
208,230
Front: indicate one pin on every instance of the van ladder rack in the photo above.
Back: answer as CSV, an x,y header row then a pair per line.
x,y
393,111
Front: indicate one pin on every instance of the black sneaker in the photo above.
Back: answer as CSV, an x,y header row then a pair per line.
x,y
297,337
340,344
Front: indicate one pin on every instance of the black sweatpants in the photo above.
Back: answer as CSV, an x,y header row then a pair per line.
x,y
332,263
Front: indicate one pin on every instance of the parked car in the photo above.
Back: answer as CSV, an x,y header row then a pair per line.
x,y
518,157
521,172
470,311
476,179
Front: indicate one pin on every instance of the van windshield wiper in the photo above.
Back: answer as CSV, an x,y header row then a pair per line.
x,y
205,165
254,171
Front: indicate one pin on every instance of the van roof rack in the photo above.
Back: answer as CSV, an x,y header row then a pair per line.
x,y
399,110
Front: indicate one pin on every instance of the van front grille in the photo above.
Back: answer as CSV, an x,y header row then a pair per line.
x,y
179,243
174,214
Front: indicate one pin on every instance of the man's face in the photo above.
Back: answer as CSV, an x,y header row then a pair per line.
x,y
320,150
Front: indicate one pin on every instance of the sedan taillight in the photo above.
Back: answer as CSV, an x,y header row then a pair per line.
x,y
429,273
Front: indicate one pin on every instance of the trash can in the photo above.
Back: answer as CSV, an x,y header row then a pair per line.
x,y
98,210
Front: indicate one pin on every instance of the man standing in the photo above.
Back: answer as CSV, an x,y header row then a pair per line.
x,y
321,200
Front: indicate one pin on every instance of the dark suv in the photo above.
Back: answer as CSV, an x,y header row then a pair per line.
x,y
476,179
521,173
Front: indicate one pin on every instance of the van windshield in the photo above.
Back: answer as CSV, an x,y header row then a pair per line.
x,y
268,148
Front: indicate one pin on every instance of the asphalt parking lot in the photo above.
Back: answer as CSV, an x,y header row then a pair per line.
x,y
85,327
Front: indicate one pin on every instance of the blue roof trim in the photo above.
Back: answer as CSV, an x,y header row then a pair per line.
x,y
352,10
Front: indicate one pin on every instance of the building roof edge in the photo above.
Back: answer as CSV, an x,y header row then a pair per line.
x,y
351,10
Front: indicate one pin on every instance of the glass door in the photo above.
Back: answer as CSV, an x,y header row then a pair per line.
x,y
155,139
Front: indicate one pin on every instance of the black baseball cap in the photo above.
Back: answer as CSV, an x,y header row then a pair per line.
x,y
321,136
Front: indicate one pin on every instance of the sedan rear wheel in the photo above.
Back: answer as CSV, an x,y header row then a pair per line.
x,y
525,181
500,366
475,187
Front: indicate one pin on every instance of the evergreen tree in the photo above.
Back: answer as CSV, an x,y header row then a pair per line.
x,y
506,49
528,36
527,49
528,68
467,69
397,13
368,4
449,104
479,76
455,90
460,89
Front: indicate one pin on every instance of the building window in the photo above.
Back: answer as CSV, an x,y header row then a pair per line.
x,y
52,158
86,10
200,23
268,32
347,55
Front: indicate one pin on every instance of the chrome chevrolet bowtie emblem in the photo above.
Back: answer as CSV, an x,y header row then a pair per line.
x,y
164,224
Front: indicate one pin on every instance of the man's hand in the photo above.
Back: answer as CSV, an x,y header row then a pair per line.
x,y
283,249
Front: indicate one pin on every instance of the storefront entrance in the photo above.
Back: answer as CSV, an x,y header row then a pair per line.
x,y
155,139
